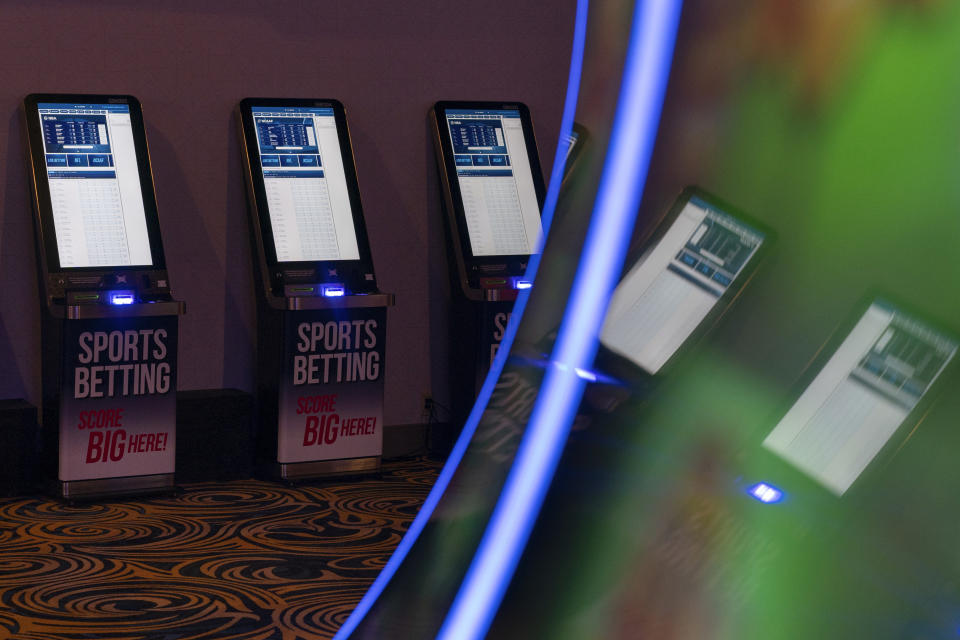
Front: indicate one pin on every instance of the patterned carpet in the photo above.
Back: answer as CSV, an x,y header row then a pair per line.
x,y
243,560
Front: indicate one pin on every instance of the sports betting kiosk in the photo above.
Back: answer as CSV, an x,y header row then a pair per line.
x,y
322,320
493,194
110,332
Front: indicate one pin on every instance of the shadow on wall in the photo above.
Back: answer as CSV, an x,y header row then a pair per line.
x,y
20,369
394,231
239,294
186,242
439,285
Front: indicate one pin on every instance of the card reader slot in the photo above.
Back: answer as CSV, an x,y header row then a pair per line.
x,y
83,298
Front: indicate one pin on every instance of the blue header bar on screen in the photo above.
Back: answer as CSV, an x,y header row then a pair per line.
x,y
286,111
69,107
504,113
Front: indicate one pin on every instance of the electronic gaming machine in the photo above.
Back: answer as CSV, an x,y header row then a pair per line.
x,y
110,331
322,320
493,194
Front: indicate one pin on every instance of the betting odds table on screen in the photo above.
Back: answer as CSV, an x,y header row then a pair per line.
x,y
321,317
493,188
110,334
94,185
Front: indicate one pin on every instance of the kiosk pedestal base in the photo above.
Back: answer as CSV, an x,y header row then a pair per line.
x,y
110,406
318,468
321,365
106,487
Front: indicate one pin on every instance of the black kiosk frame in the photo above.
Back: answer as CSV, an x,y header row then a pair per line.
x,y
321,318
111,328
486,148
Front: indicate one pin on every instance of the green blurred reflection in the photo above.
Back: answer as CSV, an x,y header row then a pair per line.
x,y
837,125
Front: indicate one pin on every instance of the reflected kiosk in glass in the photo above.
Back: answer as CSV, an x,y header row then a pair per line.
x,y
493,194
109,357
863,395
321,318
682,277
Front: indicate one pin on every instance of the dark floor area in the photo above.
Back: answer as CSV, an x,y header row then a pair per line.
x,y
246,559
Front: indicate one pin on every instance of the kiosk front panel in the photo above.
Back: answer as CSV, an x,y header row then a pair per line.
x,y
322,322
110,334
118,397
331,396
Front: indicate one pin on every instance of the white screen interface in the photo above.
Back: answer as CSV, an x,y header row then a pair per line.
x,y
496,182
861,396
305,183
675,284
94,179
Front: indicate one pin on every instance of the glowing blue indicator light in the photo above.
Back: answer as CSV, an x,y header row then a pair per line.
x,y
765,493
524,284
121,298
329,291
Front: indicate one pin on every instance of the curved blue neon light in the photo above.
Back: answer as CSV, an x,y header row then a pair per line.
x,y
446,474
638,112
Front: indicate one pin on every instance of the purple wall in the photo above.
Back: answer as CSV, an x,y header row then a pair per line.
x,y
189,64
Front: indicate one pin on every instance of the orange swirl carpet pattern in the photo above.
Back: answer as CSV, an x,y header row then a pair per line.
x,y
240,560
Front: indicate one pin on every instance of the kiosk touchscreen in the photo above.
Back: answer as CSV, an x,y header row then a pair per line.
x,y
322,319
862,395
699,257
110,334
493,189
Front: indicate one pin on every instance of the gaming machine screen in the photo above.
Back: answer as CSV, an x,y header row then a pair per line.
x,y
95,194
496,181
305,183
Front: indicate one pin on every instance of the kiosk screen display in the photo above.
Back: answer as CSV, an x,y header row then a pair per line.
x,y
95,194
305,184
862,395
496,182
674,285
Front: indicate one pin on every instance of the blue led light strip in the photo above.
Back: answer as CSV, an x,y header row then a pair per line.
x,y
641,97
446,474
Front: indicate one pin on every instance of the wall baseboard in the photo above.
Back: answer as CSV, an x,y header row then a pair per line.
x,y
19,448
215,435
404,440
